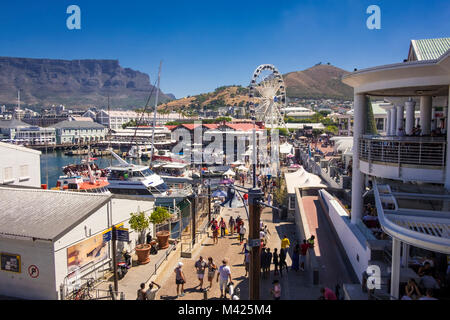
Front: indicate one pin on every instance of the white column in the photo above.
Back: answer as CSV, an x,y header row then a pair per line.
x,y
349,127
447,162
425,114
395,269
357,175
385,125
409,123
400,116
393,121
433,119
445,119
405,254
388,122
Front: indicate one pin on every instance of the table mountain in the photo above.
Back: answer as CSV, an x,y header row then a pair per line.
x,y
73,83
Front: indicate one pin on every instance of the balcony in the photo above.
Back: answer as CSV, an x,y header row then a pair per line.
x,y
403,158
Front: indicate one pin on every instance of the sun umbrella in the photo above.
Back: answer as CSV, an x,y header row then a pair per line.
x,y
242,168
226,181
219,193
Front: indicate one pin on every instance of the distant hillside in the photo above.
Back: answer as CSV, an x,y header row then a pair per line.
x,y
320,81
222,96
73,83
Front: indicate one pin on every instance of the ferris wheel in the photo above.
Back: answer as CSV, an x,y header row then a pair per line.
x,y
268,96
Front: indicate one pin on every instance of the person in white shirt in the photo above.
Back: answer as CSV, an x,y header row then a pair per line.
x,y
151,292
224,274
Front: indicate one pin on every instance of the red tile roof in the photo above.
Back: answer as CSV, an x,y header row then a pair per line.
x,y
171,127
241,126
190,126
211,125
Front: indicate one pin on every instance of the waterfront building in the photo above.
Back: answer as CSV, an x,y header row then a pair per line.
x,y
407,172
68,132
36,135
19,166
51,242
9,128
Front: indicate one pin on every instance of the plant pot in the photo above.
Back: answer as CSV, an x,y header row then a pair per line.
x,y
163,239
143,253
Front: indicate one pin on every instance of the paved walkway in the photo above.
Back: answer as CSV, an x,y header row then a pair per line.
x,y
333,269
136,275
295,285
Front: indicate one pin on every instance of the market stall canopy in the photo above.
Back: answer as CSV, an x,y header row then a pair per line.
x,y
286,148
242,168
302,178
229,172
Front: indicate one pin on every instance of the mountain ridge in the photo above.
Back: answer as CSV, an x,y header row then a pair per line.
x,y
80,82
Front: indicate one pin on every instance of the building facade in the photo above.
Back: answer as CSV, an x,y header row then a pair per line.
x,y
69,132
19,166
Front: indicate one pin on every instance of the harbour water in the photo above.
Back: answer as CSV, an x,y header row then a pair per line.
x,y
53,162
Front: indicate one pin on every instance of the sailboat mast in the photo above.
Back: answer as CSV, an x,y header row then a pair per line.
x,y
154,113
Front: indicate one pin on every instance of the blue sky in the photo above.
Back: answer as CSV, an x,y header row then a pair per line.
x,y
207,44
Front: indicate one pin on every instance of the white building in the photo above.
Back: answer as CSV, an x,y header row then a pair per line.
x,y
410,176
52,241
19,166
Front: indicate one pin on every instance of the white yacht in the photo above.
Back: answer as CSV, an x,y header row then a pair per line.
x,y
139,180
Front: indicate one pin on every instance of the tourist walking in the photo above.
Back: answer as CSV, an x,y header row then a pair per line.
x,y
247,262
276,290
212,268
285,243
263,257
180,279
269,199
303,251
242,231
276,261
295,257
200,266
150,294
268,261
311,241
223,226
245,199
283,261
141,292
215,230
231,225
224,275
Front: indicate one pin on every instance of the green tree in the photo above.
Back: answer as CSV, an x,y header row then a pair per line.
x,y
159,215
139,223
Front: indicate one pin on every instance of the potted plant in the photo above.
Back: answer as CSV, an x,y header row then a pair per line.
x,y
158,216
139,223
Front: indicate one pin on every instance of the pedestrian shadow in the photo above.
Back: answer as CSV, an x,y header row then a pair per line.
x,y
166,297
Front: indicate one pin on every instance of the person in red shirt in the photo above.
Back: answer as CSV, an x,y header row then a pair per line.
x,y
328,294
303,251
245,198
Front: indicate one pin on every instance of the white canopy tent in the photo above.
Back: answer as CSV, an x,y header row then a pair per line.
x,y
286,148
229,172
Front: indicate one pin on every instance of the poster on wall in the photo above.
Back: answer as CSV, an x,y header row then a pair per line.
x,y
90,250
10,262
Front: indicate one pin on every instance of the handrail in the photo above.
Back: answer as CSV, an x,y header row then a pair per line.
x,y
418,151
426,241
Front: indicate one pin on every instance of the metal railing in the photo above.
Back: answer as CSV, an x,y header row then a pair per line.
x,y
420,151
